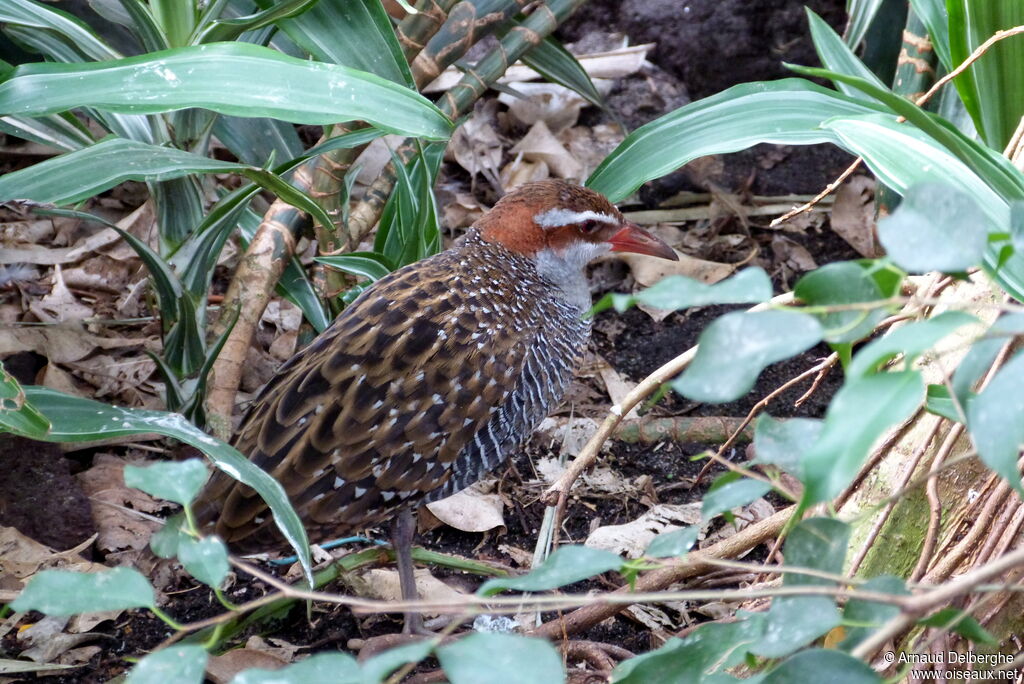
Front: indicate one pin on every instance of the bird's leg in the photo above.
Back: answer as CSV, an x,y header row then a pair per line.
x,y
402,531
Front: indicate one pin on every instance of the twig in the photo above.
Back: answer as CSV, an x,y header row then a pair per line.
x,y
934,504
557,494
974,56
942,595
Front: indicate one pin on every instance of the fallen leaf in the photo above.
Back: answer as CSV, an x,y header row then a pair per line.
x,y
59,304
648,270
115,506
853,215
540,145
222,669
571,434
384,585
555,105
633,538
474,509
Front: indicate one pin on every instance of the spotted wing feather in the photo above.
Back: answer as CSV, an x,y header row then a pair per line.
x,y
376,412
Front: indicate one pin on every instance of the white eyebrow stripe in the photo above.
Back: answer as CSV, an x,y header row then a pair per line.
x,y
555,218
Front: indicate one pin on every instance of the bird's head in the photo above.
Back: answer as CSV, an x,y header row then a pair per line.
x,y
573,223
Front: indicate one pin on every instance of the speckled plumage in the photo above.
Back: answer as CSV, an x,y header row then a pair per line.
x,y
471,349
433,377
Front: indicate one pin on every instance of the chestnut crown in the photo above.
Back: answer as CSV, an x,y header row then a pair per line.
x,y
557,215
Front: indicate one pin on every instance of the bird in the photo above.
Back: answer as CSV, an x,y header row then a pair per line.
x,y
434,376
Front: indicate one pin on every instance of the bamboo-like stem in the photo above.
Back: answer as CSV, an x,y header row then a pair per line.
x,y
457,101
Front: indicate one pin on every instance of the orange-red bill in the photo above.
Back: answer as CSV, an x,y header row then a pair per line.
x,y
633,238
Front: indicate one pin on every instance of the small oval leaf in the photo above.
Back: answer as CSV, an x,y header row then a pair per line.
x,y
173,481
735,349
62,592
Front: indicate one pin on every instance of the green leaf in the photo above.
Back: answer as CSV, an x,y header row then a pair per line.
x,y
34,15
355,33
996,421
177,481
735,348
377,668
366,264
54,130
749,286
566,565
711,647
336,668
935,228
835,54
17,414
794,621
557,65
789,111
784,442
220,77
205,559
939,401
86,172
860,412
822,665
674,543
178,664
842,283
61,592
982,353
81,420
984,162
506,658
992,88
910,340
933,14
231,29
166,541
730,495
255,141
961,623
864,617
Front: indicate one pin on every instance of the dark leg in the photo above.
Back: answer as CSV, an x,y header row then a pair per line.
x,y
402,531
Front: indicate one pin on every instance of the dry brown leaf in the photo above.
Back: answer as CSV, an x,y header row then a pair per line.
x,y
61,343
222,669
22,557
617,386
651,617
571,433
853,215
540,145
648,270
476,147
384,584
474,509
519,171
114,504
589,146
59,304
633,538
792,255
555,105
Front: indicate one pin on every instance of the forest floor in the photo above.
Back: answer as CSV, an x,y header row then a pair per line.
x,y
717,211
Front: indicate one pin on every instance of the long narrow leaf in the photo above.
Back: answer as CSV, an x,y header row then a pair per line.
x,y
34,15
355,33
78,175
222,77
788,111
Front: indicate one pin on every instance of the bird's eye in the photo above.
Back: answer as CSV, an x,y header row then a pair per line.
x,y
589,226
